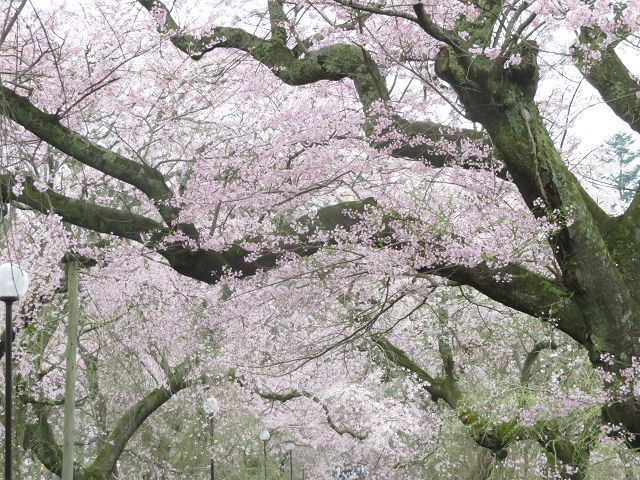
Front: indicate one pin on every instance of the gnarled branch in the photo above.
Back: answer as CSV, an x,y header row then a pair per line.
x,y
48,128
609,76
522,290
290,395
515,286
333,63
130,421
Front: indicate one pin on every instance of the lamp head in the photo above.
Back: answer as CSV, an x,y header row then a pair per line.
x,y
211,406
13,282
265,436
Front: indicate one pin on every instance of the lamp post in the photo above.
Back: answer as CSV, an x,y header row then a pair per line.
x,y
13,285
211,408
290,446
265,436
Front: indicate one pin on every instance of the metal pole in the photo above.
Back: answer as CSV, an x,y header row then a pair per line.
x,y
213,468
265,458
291,464
8,391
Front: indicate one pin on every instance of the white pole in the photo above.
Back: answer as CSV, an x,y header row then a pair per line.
x,y
70,378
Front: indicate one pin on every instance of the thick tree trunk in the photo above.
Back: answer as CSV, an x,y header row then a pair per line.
x,y
601,280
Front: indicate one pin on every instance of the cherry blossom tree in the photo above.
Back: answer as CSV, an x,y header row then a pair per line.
x,y
324,170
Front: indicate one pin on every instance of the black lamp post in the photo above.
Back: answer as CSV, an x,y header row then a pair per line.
x,y
13,285
265,436
211,408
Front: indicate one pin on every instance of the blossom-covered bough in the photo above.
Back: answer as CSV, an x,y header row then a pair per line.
x,y
485,59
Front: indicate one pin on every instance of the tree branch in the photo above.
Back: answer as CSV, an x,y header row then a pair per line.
x,y
40,439
434,30
336,62
423,141
495,437
492,436
521,289
446,354
83,214
532,356
525,291
277,18
609,76
48,128
130,421
438,388
290,395
376,10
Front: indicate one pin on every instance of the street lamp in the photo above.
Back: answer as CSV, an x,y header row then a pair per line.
x,y
13,284
265,436
211,408
290,446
